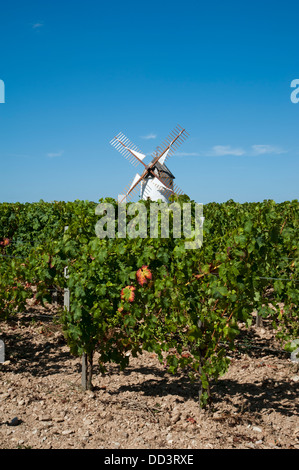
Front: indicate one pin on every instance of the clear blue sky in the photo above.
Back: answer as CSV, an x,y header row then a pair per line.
x,y
78,72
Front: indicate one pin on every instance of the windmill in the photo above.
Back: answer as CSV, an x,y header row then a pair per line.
x,y
156,180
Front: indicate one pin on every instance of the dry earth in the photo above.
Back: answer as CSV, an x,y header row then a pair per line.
x,y
42,406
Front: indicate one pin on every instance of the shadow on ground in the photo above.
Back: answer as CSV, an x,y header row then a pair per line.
x,y
46,357
40,358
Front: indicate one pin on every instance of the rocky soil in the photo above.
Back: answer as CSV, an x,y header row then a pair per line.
x,y
42,405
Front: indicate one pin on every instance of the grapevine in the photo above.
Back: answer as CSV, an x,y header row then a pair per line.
x,y
153,294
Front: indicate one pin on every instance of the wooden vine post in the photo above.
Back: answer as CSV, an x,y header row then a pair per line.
x,y
84,373
259,321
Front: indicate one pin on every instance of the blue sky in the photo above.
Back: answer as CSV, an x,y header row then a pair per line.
x,y
77,73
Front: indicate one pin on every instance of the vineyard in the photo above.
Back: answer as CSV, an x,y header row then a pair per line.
x,y
131,299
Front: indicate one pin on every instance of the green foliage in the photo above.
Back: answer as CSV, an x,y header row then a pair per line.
x,y
136,294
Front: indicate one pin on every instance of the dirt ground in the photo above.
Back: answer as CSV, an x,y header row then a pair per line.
x,y
42,405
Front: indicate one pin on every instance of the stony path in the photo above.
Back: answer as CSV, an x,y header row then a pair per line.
x,y
42,405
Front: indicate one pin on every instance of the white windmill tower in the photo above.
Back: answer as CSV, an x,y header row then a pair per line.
x,y
156,181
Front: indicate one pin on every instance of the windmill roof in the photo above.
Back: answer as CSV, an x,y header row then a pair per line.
x,y
164,169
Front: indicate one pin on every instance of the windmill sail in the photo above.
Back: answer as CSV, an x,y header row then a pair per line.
x,y
164,157
170,145
129,191
127,149
137,177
